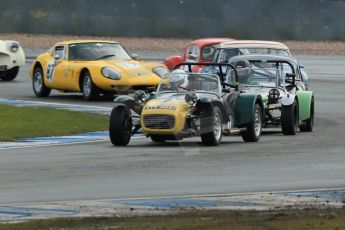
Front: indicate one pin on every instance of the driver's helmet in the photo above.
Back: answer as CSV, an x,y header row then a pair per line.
x,y
178,77
243,70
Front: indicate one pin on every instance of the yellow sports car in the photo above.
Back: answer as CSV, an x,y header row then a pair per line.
x,y
92,67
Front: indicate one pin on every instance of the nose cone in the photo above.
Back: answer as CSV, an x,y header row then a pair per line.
x,y
164,117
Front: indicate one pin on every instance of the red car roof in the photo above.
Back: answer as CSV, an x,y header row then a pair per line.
x,y
207,41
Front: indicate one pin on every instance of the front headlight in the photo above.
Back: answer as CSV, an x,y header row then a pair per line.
x,y
111,73
13,46
160,71
191,98
140,96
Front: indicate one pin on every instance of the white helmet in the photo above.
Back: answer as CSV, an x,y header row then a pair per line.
x,y
179,77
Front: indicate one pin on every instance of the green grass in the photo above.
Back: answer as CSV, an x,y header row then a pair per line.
x,y
316,219
18,122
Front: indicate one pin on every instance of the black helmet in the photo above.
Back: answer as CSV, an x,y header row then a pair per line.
x,y
242,64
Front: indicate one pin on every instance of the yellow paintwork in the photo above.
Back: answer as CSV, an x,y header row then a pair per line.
x,y
180,113
67,73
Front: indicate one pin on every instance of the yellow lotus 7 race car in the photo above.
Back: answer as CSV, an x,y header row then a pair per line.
x,y
186,105
92,67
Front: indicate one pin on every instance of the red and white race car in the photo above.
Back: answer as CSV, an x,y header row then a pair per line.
x,y
220,50
200,51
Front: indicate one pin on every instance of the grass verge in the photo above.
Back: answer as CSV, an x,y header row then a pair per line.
x,y
201,220
19,122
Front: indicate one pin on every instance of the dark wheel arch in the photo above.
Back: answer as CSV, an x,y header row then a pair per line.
x,y
42,91
81,75
94,90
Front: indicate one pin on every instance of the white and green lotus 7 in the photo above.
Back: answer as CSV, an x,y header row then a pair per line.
x,y
287,100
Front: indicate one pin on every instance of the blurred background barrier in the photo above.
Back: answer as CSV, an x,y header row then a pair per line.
x,y
245,19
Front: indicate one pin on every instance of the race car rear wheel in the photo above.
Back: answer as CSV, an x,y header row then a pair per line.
x,y
289,119
309,123
254,128
211,127
11,74
38,85
90,91
120,126
157,138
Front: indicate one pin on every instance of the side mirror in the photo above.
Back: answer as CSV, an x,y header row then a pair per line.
x,y
57,57
134,56
301,66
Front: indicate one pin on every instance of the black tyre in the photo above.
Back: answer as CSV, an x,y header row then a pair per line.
x,y
254,128
89,89
211,127
289,119
38,85
11,74
120,126
158,139
308,125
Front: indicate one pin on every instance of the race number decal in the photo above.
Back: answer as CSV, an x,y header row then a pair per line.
x,y
50,70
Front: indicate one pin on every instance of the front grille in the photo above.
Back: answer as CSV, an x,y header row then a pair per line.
x,y
157,121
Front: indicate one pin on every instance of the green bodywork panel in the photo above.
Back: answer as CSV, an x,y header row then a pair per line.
x,y
244,109
304,101
213,100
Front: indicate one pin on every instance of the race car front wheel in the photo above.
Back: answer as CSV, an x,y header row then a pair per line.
x,y
38,85
89,89
120,126
253,131
11,74
289,119
211,127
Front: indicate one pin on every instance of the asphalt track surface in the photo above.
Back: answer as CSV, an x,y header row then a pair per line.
x,y
144,169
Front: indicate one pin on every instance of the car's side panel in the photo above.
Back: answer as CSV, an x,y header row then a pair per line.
x,y
62,75
244,110
304,100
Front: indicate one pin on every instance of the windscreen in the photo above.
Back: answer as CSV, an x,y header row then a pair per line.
x,y
97,51
261,74
183,82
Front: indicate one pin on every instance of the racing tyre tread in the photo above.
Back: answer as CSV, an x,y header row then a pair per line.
x,y
289,119
120,126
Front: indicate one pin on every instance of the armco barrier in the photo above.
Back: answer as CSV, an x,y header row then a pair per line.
x,y
249,19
